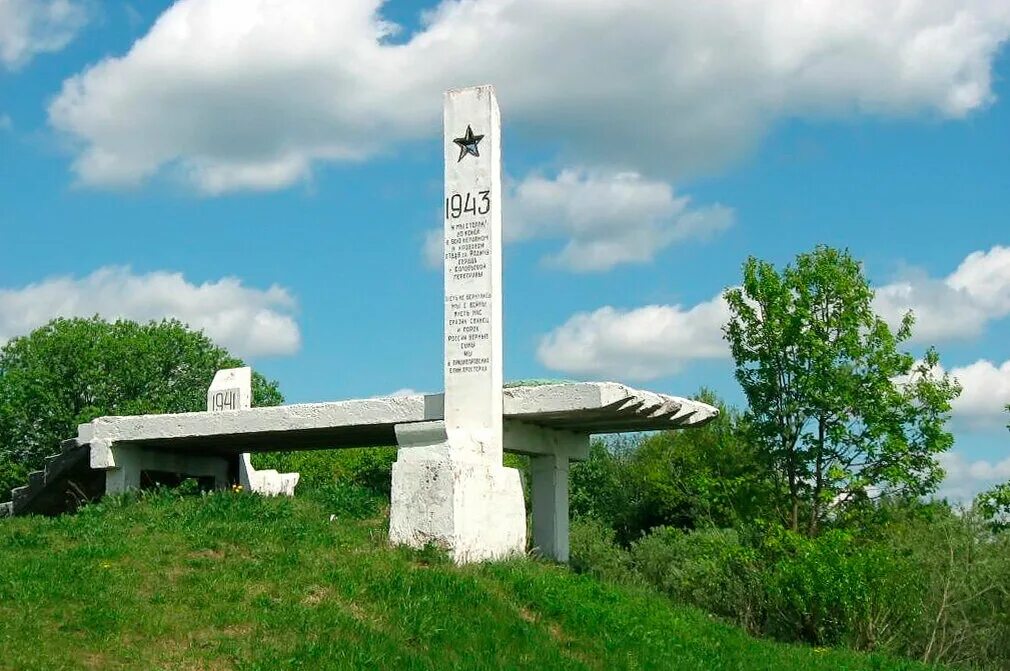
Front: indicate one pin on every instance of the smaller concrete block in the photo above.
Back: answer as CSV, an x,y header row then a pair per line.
x,y
267,482
230,390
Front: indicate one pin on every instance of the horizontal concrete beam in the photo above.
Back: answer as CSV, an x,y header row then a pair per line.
x,y
579,408
533,440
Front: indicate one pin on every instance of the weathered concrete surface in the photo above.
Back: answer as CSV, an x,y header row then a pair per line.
x,y
132,460
549,500
583,407
551,423
267,482
449,486
455,499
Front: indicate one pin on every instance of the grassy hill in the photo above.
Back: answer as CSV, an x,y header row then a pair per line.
x,y
233,581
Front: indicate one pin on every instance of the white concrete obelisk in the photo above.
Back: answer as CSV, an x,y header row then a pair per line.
x,y
449,484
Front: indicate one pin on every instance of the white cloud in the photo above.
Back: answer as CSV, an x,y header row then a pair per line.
x,y
984,396
6,123
640,344
249,93
616,342
32,27
965,479
605,218
246,321
433,249
957,306
985,393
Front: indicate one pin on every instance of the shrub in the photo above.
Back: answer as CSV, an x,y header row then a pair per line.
x,y
831,589
963,608
708,568
368,467
595,551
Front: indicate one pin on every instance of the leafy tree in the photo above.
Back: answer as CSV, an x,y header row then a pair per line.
x,y
994,504
71,371
704,477
836,410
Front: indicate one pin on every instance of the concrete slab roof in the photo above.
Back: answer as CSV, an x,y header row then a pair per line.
x,y
582,407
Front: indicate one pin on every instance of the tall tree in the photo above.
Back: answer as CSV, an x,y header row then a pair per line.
x,y
72,370
836,409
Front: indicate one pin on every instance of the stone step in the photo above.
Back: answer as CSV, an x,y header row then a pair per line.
x,y
6,509
47,490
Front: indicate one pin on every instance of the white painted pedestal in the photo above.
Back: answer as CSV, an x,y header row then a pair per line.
x,y
454,498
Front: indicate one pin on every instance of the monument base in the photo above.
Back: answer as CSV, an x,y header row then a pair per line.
x,y
456,499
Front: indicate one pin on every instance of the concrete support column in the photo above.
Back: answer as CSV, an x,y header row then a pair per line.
x,y
126,475
549,499
550,451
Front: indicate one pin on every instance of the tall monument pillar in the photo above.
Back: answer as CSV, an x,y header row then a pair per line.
x,y
449,484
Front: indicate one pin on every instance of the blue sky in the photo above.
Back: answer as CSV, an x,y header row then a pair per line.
x,y
270,172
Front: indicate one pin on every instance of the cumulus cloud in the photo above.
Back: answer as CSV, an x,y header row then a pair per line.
x,y
965,479
957,306
32,27
247,321
985,394
657,340
605,218
247,94
641,344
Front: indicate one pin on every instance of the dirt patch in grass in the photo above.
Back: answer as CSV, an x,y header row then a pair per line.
x,y
316,595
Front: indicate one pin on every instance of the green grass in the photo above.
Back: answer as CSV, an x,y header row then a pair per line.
x,y
233,581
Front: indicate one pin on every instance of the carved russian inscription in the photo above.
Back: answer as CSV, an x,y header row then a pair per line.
x,y
473,356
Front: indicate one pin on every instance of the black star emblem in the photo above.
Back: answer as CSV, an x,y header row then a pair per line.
x,y
468,143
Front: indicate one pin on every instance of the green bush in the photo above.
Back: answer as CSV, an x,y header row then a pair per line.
x,y
369,467
963,607
702,478
831,589
595,551
710,568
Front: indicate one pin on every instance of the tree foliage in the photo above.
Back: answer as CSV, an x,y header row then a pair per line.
x,y
836,410
71,371
704,477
